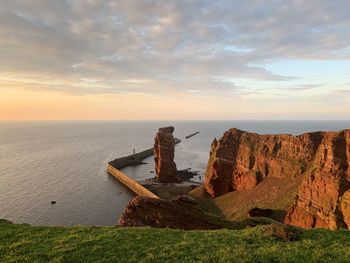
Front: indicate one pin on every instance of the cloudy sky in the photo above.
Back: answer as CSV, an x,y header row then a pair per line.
x,y
90,59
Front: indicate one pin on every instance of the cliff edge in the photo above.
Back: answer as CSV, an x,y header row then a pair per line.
x,y
315,164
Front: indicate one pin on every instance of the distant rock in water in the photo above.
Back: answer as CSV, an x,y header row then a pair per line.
x,y
164,150
318,163
186,174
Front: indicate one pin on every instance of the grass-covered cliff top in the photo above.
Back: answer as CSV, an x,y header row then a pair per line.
x,y
24,243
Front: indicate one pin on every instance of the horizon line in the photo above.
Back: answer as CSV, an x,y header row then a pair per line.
x,y
163,120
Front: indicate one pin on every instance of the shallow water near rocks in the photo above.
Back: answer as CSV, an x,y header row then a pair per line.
x,y
66,162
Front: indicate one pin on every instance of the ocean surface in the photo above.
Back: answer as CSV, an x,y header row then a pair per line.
x,y
66,162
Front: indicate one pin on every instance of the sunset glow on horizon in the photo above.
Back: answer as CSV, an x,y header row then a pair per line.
x,y
174,60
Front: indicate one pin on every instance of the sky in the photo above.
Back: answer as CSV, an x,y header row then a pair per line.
x,y
174,60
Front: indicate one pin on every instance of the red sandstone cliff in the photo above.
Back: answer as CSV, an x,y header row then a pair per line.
x,y
317,162
164,149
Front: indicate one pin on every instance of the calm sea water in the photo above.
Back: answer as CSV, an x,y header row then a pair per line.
x,y
66,162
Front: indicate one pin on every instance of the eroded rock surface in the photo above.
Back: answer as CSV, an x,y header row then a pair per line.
x,y
320,161
179,213
183,212
164,149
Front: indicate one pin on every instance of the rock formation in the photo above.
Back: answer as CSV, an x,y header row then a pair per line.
x,y
164,148
318,163
182,213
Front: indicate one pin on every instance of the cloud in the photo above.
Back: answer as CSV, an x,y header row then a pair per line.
x,y
305,87
156,47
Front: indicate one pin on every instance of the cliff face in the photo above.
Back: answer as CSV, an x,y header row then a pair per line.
x,y
320,161
164,149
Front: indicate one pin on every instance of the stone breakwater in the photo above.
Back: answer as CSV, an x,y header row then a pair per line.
x,y
131,160
113,168
317,162
191,135
134,186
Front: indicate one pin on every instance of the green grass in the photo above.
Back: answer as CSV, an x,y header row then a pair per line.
x,y
24,243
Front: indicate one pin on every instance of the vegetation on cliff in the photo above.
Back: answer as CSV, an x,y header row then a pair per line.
x,y
24,243
304,179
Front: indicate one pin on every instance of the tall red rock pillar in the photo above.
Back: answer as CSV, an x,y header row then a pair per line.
x,y
164,149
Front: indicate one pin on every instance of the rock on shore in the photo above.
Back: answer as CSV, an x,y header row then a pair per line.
x,y
318,162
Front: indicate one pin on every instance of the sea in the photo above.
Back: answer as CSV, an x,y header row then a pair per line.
x,y
65,161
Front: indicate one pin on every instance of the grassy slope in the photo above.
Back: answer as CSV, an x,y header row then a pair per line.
x,y
23,243
274,193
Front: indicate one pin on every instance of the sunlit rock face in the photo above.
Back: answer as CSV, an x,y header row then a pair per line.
x,y
164,149
239,161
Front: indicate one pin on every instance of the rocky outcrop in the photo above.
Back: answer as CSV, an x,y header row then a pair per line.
x,y
164,149
183,212
320,161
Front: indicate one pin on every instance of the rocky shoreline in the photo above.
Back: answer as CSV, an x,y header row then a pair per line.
x,y
300,180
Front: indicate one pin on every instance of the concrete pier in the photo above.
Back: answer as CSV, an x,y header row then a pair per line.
x,y
131,160
191,135
130,183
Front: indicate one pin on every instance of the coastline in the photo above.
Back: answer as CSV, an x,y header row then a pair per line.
x,y
71,166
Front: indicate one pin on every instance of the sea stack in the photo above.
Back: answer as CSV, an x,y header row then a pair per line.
x,y
306,178
164,150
